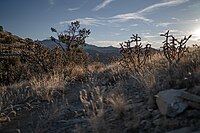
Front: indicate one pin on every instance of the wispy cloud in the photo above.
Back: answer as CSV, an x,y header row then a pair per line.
x,y
177,33
168,3
85,21
102,5
151,36
73,9
133,25
125,29
78,7
139,15
176,19
115,34
186,21
52,2
129,16
166,24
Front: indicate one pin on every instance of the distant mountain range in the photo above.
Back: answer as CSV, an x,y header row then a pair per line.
x,y
99,53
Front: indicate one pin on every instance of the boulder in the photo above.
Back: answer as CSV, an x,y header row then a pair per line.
x,y
170,102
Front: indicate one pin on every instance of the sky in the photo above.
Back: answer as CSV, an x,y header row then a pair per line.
x,y
110,21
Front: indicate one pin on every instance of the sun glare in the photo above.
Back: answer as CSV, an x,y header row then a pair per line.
x,y
197,32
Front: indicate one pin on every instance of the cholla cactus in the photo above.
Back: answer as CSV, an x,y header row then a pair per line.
x,y
173,48
136,55
92,101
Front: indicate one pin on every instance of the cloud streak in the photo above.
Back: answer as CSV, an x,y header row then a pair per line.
x,y
102,5
129,16
73,9
86,21
161,5
166,24
138,15
79,7
52,2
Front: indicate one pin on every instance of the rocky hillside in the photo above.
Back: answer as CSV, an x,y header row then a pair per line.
x,y
159,96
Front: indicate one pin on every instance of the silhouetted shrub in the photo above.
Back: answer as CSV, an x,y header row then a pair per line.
x,y
71,41
1,28
9,40
10,70
174,49
36,57
2,35
134,56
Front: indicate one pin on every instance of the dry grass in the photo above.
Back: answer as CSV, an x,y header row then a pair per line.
x,y
156,75
48,115
104,104
48,86
98,104
48,82
93,101
77,72
118,103
96,67
27,95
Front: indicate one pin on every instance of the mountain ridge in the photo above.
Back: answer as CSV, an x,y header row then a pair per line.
x,y
99,53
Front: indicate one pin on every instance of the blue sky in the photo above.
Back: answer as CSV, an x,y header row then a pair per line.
x,y
110,21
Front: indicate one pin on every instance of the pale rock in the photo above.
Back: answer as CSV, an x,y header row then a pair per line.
x,y
170,103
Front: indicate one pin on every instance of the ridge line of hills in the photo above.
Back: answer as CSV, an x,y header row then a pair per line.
x,y
98,53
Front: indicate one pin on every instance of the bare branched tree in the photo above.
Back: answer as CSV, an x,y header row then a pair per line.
x,y
72,39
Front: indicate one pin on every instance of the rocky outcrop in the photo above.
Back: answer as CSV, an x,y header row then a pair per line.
x,y
173,102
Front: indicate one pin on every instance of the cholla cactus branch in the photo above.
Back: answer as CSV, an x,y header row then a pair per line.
x,y
136,55
173,48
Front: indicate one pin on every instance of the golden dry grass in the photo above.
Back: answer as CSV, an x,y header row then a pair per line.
x,y
98,100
